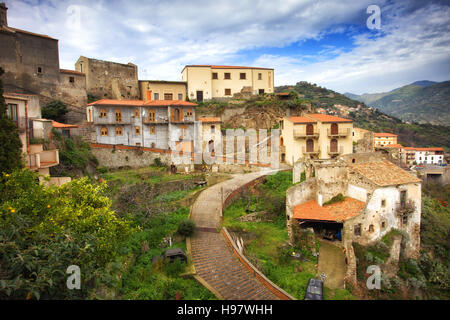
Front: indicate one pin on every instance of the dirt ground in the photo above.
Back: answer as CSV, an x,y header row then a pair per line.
x,y
332,264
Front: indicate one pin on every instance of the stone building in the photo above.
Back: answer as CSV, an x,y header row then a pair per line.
x,y
162,90
382,139
379,197
211,132
206,82
363,140
31,64
109,80
315,136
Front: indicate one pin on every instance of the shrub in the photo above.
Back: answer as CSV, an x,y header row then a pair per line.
x,y
186,228
55,110
158,163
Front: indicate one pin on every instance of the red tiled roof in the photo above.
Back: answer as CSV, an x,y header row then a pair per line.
x,y
301,120
384,134
62,125
138,103
383,173
424,149
327,118
168,103
72,72
397,145
338,211
210,119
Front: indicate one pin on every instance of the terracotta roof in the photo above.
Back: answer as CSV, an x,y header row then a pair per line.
x,y
62,125
397,145
383,173
338,211
327,118
138,103
384,134
164,81
225,67
210,119
301,120
72,72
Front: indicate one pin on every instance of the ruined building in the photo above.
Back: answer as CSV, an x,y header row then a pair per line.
x,y
109,80
31,64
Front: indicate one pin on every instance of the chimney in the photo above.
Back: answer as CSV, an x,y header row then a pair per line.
x,y
3,20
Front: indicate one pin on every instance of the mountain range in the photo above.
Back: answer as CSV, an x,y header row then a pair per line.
x,y
421,101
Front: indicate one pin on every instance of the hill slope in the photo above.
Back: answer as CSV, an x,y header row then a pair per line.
x,y
422,101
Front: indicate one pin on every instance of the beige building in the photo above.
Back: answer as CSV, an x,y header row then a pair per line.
x,y
206,82
162,90
211,132
382,139
315,136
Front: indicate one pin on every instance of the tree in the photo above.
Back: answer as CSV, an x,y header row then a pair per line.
x,y
55,110
10,144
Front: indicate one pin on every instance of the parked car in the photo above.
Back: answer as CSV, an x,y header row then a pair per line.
x,y
314,291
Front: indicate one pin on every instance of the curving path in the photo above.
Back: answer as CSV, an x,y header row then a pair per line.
x,y
213,258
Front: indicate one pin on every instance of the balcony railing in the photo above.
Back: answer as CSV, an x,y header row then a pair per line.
x,y
110,120
189,119
299,134
315,150
339,150
155,121
339,133
43,159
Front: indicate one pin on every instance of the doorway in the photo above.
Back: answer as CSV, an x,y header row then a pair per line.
x,y
199,96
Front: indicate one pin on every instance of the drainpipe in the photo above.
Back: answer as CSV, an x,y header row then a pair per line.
x,y
26,127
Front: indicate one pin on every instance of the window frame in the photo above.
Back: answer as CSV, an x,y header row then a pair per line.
x,y
118,115
104,131
227,75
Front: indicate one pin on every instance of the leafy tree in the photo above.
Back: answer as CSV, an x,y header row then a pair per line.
x,y
10,144
47,229
55,110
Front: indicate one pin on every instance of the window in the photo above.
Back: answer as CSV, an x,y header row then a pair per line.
x,y
71,79
118,115
136,113
151,115
383,224
261,91
137,130
119,131
104,131
227,75
383,203
152,130
189,113
40,70
357,229
156,96
168,96
242,76
214,75
102,113
180,96
213,129
260,76
153,145
403,198
228,92
371,228
12,112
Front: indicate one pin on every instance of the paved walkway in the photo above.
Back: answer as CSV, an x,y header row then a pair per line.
x,y
213,258
332,264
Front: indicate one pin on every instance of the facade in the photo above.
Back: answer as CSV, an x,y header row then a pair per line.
x,y
363,140
382,139
162,90
109,80
161,124
424,155
206,82
211,133
378,197
315,136
25,111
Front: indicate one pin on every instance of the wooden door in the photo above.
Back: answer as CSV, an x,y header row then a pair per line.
x,y
199,96
309,129
334,128
309,145
333,145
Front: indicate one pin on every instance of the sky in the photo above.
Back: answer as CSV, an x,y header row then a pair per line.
x,y
327,42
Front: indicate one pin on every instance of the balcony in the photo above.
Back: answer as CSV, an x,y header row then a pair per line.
x,y
335,151
155,121
315,150
110,120
189,119
339,133
299,134
38,158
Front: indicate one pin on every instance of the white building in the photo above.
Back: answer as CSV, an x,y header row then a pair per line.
x,y
424,155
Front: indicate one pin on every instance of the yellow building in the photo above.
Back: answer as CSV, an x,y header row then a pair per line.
x,y
315,136
206,82
358,134
382,139
162,90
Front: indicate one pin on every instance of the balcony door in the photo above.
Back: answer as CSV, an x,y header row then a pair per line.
x,y
334,128
309,129
309,145
333,145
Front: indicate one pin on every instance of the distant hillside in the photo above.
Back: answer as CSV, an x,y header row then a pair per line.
x,y
422,101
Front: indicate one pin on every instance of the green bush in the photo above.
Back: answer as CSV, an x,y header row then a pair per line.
x,y
55,110
186,228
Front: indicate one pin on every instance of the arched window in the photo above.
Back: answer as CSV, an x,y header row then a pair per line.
x,y
137,130
119,131
102,113
118,115
309,129
151,115
136,113
152,129
104,131
281,141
